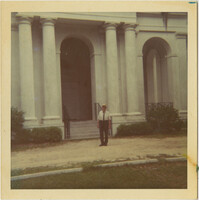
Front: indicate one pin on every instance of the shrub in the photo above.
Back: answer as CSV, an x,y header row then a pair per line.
x,y
19,135
49,134
17,120
140,128
163,117
22,137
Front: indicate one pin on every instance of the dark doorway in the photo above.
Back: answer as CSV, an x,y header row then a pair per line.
x,y
76,79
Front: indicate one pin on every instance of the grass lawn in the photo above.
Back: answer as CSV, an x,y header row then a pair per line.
x,y
162,175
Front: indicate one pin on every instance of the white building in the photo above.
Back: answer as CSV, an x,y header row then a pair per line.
x,y
76,60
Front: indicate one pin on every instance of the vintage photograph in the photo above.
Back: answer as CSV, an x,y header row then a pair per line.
x,y
99,100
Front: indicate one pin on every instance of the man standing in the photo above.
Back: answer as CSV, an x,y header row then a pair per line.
x,y
104,123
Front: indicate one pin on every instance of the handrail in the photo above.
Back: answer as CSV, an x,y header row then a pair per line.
x,y
97,109
66,120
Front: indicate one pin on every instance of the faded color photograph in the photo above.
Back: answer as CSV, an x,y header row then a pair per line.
x,y
99,100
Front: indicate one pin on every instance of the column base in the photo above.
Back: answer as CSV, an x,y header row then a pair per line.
x,y
51,120
126,118
30,121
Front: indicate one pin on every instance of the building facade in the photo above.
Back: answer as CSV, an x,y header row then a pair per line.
x,y
66,64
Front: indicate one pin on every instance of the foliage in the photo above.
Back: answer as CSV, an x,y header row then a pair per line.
x,y
17,120
18,133
140,128
48,134
163,117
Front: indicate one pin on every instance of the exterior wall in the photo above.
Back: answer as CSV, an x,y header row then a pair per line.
x,y
88,27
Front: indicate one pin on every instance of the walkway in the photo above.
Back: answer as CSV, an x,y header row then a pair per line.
x,y
73,153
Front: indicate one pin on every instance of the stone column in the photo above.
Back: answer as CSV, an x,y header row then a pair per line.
x,y
15,70
26,70
174,80
140,83
51,100
112,68
58,57
96,81
131,69
181,43
155,79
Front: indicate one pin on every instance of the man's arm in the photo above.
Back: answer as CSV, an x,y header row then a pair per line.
x,y
109,124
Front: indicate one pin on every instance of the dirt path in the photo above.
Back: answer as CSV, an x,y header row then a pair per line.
x,y
75,152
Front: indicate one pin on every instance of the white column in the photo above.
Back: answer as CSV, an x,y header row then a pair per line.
x,y
51,93
58,57
140,83
174,81
26,71
112,68
155,79
96,81
15,70
131,69
181,40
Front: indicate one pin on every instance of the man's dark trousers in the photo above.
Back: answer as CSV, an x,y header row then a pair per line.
x,y
103,126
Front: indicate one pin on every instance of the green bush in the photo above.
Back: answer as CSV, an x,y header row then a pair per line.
x,y
17,120
19,135
164,117
49,134
140,128
22,137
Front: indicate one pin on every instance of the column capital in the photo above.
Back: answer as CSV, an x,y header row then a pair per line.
x,y
48,21
129,27
23,19
110,25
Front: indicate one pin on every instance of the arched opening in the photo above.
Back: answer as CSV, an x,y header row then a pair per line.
x,y
156,85
76,79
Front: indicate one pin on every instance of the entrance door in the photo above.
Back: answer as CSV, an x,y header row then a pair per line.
x,y
76,79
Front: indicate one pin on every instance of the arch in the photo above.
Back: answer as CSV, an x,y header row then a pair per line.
x,y
156,73
156,43
83,38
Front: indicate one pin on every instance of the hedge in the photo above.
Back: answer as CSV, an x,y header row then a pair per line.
x,y
164,117
141,128
48,134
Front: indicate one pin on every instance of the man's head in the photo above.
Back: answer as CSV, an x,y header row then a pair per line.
x,y
103,107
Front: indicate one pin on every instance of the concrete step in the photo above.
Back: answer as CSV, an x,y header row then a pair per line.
x,y
84,133
84,137
83,129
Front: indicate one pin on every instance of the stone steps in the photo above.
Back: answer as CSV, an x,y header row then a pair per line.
x,y
83,129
